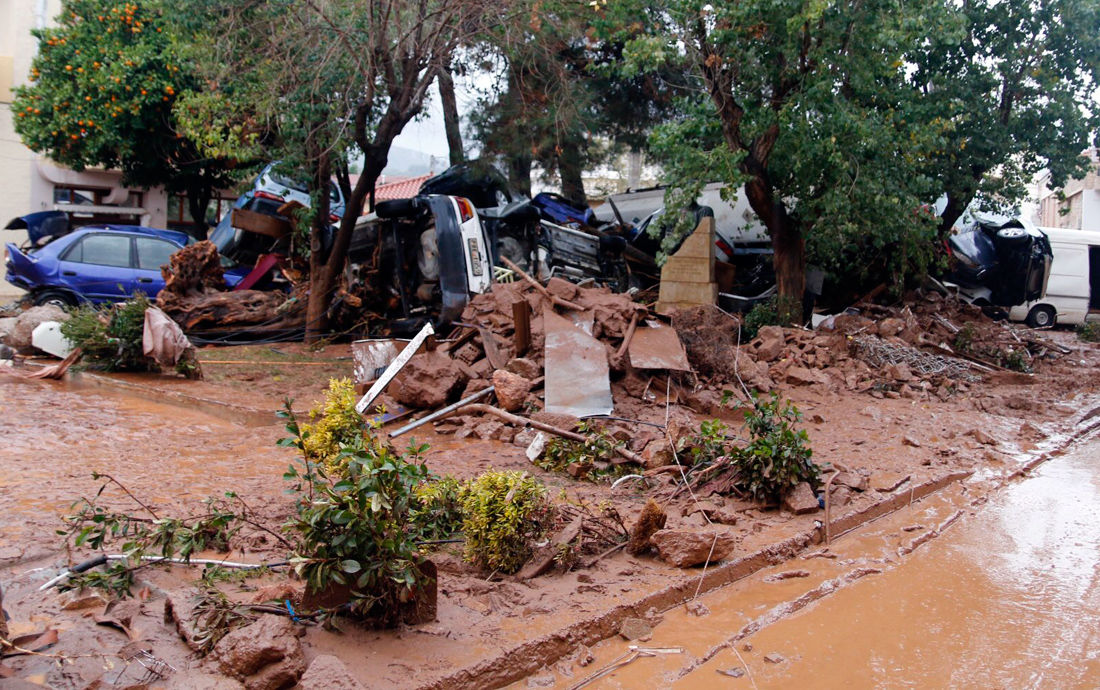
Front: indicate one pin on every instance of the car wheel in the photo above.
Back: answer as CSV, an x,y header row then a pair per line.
x,y
1041,316
57,298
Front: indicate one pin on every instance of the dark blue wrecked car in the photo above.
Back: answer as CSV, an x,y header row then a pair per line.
x,y
102,263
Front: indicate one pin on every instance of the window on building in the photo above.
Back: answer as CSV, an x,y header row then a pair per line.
x,y
79,195
179,214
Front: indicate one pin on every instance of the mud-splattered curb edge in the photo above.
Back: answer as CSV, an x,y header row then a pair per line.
x,y
155,394
527,658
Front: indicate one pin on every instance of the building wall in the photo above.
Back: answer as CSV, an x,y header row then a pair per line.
x,y
1080,209
28,180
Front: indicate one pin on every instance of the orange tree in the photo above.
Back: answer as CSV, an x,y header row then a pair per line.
x,y
101,93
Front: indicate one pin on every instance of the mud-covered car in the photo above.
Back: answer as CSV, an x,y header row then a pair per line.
x,y
419,259
999,262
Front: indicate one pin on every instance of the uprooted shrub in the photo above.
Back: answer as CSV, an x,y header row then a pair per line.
x,y
776,457
111,337
356,523
592,458
503,514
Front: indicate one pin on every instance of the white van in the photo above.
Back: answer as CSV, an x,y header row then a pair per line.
x,y
1073,288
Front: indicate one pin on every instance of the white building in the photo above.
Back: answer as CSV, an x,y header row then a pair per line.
x,y
31,182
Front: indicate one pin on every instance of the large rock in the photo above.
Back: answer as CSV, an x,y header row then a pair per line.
x,y
800,499
511,389
527,368
7,324
25,323
684,548
429,380
265,655
770,343
326,672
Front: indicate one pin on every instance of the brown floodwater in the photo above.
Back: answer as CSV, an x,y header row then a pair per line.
x,y
1008,596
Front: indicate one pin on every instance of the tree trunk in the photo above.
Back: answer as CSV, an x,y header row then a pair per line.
x,y
570,167
956,205
519,173
450,117
788,245
322,280
198,199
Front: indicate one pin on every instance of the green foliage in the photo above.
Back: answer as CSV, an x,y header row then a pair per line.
x,y
103,85
504,512
335,424
92,525
709,443
439,514
774,311
1089,332
355,523
777,456
597,447
964,339
111,337
215,616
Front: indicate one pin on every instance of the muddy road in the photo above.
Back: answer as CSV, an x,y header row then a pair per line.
x,y
953,592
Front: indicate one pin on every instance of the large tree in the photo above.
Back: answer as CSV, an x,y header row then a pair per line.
x,y
313,83
102,89
795,102
1010,86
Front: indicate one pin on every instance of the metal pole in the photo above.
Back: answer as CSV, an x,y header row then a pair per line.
x,y
441,412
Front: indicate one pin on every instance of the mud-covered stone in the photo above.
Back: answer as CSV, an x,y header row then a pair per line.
x,y
511,389
525,367
770,343
800,499
265,655
326,672
20,337
179,611
684,548
658,453
651,520
636,629
429,380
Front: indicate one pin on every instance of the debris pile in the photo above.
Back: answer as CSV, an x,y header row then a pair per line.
x,y
196,297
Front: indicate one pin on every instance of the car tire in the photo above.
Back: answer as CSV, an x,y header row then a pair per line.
x,y
58,298
395,208
1041,316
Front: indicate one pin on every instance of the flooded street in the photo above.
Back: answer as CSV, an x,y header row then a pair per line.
x,y
1007,597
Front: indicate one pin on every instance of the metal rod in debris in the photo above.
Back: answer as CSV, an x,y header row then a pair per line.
x,y
395,366
442,412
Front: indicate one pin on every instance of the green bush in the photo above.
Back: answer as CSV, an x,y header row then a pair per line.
x,y
775,311
503,513
334,424
1089,332
439,512
709,444
355,523
777,456
597,446
111,338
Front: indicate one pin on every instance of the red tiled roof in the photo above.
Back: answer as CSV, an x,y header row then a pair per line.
x,y
399,188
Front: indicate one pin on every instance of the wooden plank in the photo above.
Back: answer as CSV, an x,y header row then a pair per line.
x,y
521,316
260,223
395,366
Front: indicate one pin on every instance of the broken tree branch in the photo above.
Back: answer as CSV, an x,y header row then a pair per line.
x,y
628,455
565,304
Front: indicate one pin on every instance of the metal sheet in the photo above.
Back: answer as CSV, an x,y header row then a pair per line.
x,y
395,366
658,348
371,357
577,376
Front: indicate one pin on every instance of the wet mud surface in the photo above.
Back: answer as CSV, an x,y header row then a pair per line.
x,y
204,439
954,591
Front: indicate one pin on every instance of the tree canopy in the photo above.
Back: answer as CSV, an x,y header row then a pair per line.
x,y
103,86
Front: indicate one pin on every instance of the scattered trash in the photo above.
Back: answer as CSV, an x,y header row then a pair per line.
x,y
47,337
394,367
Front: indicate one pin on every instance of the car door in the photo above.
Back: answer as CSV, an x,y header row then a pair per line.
x,y
97,266
150,253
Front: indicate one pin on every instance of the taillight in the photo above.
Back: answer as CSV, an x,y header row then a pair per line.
x,y
268,195
465,208
333,218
